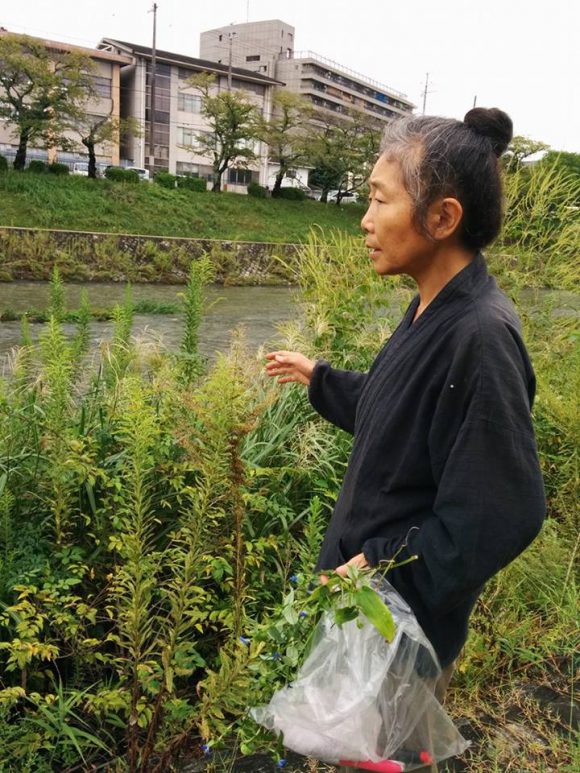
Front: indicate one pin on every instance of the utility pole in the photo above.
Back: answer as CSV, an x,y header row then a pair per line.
x,y
152,76
425,92
475,100
230,41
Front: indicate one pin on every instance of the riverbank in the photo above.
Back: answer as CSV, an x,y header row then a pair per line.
x,y
80,204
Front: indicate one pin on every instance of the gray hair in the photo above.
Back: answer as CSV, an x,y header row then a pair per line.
x,y
441,157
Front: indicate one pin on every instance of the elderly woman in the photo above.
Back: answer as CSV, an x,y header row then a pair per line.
x,y
444,463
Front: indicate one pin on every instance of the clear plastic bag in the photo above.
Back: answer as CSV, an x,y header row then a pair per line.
x,y
358,698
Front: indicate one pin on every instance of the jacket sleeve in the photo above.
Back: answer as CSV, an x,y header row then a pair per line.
x,y
334,394
489,507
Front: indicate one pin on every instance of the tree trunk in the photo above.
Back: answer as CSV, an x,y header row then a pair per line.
x,y
20,159
278,184
92,160
217,183
89,144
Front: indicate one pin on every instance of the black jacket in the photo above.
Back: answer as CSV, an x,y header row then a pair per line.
x,y
444,458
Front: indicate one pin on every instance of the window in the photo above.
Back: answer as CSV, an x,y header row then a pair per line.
x,y
253,58
189,103
187,137
240,176
185,167
220,37
102,86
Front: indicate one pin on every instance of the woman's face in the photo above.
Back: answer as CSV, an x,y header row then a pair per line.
x,y
396,247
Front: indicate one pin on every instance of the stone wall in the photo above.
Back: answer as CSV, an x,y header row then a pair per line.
x,y
30,254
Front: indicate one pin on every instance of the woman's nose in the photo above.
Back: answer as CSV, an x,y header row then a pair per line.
x,y
366,223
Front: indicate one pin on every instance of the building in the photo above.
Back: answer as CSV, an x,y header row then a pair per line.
x,y
107,101
178,120
268,48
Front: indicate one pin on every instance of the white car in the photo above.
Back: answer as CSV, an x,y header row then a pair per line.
x,y
351,197
81,168
143,173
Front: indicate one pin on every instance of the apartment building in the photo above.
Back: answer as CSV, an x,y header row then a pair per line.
x,y
178,120
268,48
106,78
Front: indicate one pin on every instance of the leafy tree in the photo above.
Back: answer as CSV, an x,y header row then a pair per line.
x,y
233,121
342,151
41,90
286,133
521,148
96,130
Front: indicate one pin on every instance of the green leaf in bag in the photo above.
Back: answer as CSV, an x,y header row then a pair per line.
x,y
345,614
376,611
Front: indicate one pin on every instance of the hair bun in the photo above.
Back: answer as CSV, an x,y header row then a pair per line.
x,y
492,123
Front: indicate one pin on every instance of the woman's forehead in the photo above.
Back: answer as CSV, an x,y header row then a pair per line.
x,y
386,174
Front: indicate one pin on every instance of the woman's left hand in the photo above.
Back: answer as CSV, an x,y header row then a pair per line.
x,y
359,561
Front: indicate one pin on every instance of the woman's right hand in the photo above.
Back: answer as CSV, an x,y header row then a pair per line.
x,y
290,367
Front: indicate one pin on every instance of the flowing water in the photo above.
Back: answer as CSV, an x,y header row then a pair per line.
x,y
257,309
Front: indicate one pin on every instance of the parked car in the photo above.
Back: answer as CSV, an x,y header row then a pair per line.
x,y
315,194
143,173
347,198
80,168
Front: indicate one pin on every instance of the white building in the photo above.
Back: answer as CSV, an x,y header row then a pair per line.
x,y
268,48
178,120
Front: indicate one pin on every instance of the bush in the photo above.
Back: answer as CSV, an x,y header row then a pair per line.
x,y
37,167
258,191
119,175
59,169
3,164
192,183
166,180
292,194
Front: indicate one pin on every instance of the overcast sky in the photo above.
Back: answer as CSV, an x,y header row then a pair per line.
x,y
520,55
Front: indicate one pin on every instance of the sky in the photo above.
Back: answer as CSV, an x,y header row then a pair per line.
x,y
520,55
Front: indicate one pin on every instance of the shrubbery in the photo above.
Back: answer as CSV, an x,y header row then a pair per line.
x,y
58,169
192,183
292,194
257,191
37,167
166,180
3,164
117,174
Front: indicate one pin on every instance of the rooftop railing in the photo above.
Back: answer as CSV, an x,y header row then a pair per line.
x,y
342,69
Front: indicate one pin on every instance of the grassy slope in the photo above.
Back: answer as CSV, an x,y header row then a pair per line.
x,y
77,203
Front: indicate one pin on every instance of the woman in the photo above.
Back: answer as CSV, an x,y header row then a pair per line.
x,y
444,463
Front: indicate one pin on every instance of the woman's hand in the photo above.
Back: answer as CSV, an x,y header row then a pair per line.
x,y
359,561
290,366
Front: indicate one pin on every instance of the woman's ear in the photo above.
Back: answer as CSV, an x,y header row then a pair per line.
x,y
445,216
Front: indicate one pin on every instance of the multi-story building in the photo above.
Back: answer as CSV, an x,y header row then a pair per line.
x,y
268,48
105,101
178,120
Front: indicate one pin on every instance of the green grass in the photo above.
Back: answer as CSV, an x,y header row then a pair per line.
x,y
80,204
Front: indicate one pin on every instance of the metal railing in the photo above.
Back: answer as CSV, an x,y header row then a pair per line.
x,y
342,69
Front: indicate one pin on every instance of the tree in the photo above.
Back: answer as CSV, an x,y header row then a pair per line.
x,y
521,148
342,151
234,123
286,133
95,130
41,90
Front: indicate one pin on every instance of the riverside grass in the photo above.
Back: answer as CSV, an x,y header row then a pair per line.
x,y
152,513
80,204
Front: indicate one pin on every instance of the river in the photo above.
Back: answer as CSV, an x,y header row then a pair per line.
x,y
258,309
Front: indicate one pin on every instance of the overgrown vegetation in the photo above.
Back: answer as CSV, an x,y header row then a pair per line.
x,y
153,515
